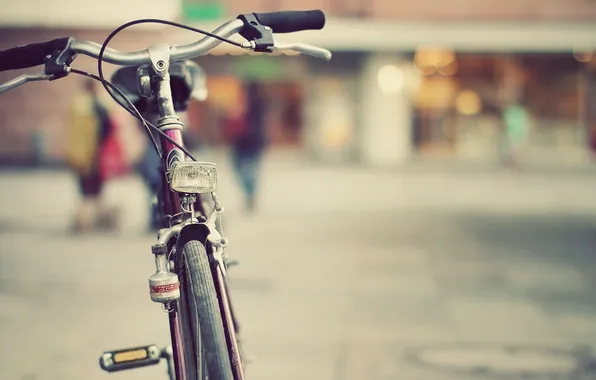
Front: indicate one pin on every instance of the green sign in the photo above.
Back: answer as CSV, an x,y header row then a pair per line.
x,y
202,10
258,67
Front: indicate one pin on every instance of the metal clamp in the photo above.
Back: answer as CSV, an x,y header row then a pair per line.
x,y
260,35
160,58
57,64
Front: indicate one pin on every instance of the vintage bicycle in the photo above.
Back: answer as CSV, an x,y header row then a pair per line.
x,y
191,279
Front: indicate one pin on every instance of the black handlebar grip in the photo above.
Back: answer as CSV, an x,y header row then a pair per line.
x,y
30,55
292,21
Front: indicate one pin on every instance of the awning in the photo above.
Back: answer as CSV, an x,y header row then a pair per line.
x,y
486,36
370,35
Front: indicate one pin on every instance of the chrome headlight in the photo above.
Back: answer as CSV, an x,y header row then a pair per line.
x,y
193,177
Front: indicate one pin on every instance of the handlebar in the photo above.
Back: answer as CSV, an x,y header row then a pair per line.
x,y
279,22
177,53
30,55
292,21
256,28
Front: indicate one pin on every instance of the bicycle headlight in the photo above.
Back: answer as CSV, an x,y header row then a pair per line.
x,y
193,177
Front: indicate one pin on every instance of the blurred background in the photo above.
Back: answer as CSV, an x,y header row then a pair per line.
x,y
425,202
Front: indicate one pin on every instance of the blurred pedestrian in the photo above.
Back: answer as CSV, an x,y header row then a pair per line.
x,y
150,168
245,130
516,129
88,142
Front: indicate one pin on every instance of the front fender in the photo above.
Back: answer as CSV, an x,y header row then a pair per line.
x,y
195,231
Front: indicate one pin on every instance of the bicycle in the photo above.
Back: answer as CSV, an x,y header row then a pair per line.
x,y
191,279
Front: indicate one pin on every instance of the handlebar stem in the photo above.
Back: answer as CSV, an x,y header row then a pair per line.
x,y
160,65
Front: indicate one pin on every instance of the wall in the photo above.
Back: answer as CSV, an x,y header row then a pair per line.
x,y
110,13
96,14
431,9
484,9
387,83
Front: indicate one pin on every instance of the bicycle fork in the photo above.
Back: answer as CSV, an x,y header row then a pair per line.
x,y
165,289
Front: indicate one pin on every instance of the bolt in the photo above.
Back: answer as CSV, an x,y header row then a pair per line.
x,y
266,28
153,352
107,360
160,64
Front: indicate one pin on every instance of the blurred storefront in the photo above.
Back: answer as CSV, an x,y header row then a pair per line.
x,y
422,80
459,105
283,93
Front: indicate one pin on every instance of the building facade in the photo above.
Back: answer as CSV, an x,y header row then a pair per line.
x,y
408,77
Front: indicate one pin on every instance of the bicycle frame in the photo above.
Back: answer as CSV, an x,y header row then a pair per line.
x,y
184,349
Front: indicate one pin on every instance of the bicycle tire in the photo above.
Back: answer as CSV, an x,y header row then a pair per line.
x,y
200,283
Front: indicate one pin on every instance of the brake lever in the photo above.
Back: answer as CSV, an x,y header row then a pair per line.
x,y
21,80
57,64
303,48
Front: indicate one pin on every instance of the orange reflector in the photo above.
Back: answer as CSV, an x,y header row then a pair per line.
x,y
128,356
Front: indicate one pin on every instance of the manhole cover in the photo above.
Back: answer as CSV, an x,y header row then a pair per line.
x,y
497,360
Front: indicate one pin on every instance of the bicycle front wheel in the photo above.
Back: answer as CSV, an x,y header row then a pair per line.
x,y
201,287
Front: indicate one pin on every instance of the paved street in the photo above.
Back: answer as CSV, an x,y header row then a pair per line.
x,y
344,273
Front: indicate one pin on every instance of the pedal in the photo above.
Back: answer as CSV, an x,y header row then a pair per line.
x,y
136,357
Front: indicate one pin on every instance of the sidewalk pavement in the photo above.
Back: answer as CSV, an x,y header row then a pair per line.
x,y
344,273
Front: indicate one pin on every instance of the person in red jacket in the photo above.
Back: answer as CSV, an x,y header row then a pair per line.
x,y
88,129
